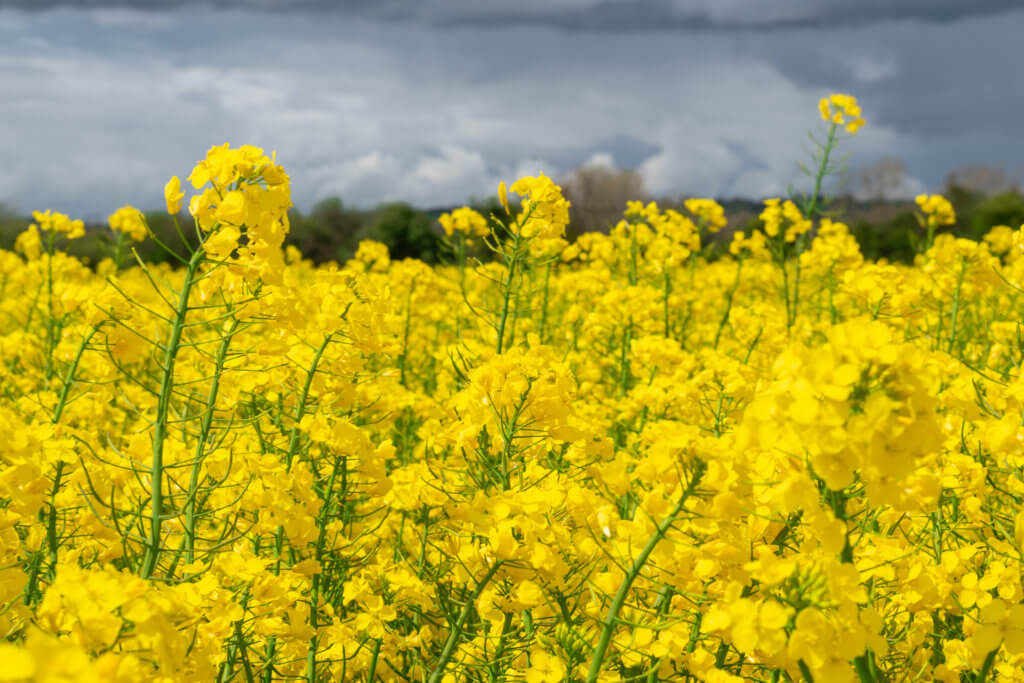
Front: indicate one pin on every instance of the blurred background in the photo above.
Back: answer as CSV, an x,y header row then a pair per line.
x,y
387,112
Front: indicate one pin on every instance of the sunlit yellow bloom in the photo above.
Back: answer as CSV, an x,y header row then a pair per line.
x,y
173,195
841,110
936,209
130,221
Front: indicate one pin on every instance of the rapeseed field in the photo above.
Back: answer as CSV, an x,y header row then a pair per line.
x,y
648,455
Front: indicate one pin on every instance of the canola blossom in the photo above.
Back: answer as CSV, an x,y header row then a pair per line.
x,y
636,456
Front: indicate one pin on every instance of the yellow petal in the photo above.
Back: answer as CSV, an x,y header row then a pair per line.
x,y
18,664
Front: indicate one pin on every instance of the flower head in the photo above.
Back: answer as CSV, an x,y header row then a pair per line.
x,y
464,220
545,210
709,213
936,209
503,195
778,214
837,107
129,220
51,221
173,195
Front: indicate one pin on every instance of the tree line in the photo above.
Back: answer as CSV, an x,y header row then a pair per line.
x,y
884,224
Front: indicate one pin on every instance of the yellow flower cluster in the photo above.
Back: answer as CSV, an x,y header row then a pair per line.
x,y
785,218
545,210
129,220
626,458
58,223
242,210
47,227
936,209
709,213
466,221
837,108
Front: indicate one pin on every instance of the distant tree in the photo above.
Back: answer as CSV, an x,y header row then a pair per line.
x,y
341,222
1005,208
330,232
892,239
408,232
883,180
598,196
7,212
980,179
11,224
969,187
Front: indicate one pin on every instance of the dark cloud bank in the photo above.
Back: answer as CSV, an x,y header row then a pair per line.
x,y
395,99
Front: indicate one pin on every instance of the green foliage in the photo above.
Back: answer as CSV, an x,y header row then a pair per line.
x,y
1006,208
331,231
894,240
409,233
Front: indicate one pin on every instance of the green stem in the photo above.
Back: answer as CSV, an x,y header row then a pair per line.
x,y
810,208
660,608
620,596
118,250
667,292
812,204
314,598
499,654
986,668
728,302
544,308
204,433
460,252
405,333
785,288
633,249
160,423
956,306
300,410
51,526
796,280
627,336
373,662
513,262
460,623
864,669
51,331
69,378
293,444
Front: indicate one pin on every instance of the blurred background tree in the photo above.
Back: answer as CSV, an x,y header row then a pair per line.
x,y
597,196
330,232
884,180
408,232
984,196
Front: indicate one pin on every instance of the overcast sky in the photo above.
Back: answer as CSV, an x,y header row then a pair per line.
x,y
435,102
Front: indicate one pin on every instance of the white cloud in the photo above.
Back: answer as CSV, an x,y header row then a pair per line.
x,y
355,176
440,179
871,70
746,144
601,159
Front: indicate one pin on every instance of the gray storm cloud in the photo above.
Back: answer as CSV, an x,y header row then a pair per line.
x,y
374,101
595,15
